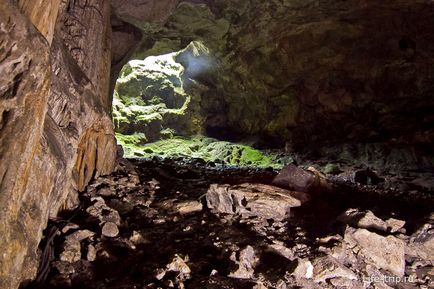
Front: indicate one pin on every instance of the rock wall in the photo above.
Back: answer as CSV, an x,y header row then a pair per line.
x,y
56,129
24,91
309,72
293,71
43,19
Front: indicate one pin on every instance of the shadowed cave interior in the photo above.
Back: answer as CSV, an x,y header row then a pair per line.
x,y
217,144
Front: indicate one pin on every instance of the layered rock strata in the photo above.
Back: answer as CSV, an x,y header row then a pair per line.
x,y
56,127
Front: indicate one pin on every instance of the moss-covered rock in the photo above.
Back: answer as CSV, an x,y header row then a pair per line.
x,y
159,93
198,147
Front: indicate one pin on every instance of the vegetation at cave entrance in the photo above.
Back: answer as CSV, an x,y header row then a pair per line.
x,y
198,147
157,111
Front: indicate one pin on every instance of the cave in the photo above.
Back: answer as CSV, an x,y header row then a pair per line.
x,y
164,107
216,144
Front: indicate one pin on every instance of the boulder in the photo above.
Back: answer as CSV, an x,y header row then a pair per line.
x,y
421,243
301,180
363,219
384,252
253,200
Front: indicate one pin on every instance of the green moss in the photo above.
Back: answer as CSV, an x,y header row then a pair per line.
x,y
208,149
150,96
135,139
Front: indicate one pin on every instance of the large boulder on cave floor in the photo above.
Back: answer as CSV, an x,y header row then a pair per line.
x,y
253,200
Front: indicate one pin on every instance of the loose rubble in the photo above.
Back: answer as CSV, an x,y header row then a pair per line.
x,y
156,224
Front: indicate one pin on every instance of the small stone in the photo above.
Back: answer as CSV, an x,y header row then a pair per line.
x,y
137,238
91,253
329,239
328,267
341,252
110,229
179,266
159,274
71,251
395,225
304,269
134,179
103,212
154,184
81,235
363,219
159,221
188,207
68,227
246,263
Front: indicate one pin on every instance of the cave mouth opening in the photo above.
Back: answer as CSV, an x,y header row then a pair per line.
x,y
162,108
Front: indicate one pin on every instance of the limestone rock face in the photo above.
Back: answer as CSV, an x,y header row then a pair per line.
x,y
140,13
56,130
24,90
303,71
42,13
79,105
85,29
125,39
129,18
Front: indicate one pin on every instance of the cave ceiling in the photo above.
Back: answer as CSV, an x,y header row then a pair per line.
x,y
303,70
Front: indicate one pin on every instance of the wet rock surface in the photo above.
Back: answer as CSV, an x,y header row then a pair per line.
x,y
156,224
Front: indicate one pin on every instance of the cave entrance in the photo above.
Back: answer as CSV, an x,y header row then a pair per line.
x,y
161,108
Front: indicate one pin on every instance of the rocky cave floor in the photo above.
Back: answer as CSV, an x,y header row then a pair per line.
x,y
152,224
